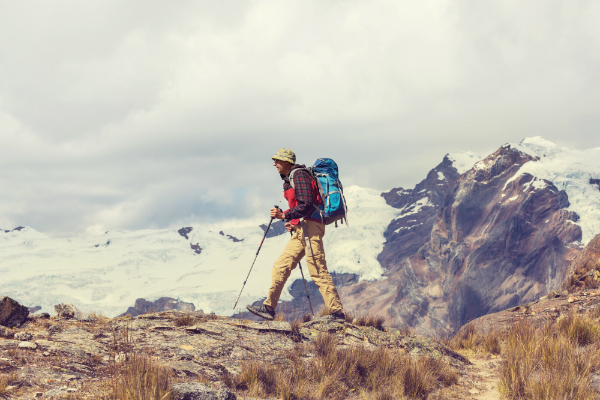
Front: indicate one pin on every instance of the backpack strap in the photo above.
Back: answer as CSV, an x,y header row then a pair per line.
x,y
309,252
321,193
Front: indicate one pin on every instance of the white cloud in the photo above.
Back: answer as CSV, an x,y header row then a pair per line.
x,y
136,114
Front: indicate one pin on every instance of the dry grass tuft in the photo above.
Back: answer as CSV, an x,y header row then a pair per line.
x,y
349,317
186,320
5,381
135,376
212,316
335,372
96,358
140,378
3,384
295,326
550,363
368,319
471,338
579,330
306,317
280,316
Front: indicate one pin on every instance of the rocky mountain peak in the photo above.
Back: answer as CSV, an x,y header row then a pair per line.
x,y
477,242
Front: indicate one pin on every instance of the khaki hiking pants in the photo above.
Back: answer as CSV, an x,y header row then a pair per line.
x,y
317,267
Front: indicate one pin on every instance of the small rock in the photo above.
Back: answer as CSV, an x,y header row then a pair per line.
x,y
554,294
38,394
28,346
571,299
70,377
71,390
565,292
65,310
43,315
6,332
473,391
199,391
12,313
23,336
45,354
81,316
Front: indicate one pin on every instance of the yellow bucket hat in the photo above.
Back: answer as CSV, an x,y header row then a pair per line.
x,y
285,155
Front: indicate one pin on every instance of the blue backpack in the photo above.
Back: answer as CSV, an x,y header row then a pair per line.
x,y
325,174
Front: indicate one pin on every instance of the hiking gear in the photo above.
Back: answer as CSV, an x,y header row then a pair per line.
x,y
285,155
317,266
257,251
303,197
305,288
338,315
303,280
261,311
325,173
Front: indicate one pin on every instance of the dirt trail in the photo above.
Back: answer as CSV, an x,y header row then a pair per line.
x,y
477,382
485,376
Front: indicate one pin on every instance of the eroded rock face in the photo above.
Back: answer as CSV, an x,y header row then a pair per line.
x,y
584,271
420,207
495,241
12,313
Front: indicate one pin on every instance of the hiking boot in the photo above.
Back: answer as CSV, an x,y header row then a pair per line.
x,y
261,311
337,316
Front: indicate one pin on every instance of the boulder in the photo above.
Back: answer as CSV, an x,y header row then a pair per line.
x,y
6,332
199,391
12,313
28,346
23,336
65,310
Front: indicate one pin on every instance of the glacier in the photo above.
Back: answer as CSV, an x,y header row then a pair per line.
x,y
107,273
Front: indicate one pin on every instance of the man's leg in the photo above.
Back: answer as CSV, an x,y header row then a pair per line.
x,y
317,266
287,261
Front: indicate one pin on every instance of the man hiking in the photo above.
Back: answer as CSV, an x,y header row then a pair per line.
x,y
302,195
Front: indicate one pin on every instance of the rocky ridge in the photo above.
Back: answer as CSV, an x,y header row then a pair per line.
x,y
54,358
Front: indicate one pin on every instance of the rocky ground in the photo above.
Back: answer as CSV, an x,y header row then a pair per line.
x,y
70,358
542,311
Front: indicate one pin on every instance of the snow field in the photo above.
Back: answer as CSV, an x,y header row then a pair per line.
x,y
40,270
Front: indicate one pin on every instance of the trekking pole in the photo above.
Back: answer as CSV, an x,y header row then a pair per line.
x,y
303,280
257,251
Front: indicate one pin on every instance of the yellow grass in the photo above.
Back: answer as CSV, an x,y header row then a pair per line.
x,y
334,372
135,376
551,363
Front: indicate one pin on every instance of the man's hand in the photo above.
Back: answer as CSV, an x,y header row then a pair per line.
x,y
289,226
275,213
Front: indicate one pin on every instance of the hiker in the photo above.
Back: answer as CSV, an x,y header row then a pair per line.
x,y
300,198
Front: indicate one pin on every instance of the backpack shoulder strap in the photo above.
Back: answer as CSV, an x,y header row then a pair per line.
x,y
294,171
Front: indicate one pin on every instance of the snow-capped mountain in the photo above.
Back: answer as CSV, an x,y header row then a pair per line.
x,y
470,242
477,235
107,273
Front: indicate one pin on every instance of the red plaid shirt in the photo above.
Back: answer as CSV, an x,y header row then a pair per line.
x,y
303,192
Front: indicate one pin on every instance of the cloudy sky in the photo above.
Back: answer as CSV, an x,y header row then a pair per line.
x,y
138,114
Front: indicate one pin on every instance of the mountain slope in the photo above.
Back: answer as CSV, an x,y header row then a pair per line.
x,y
503,234
475,236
